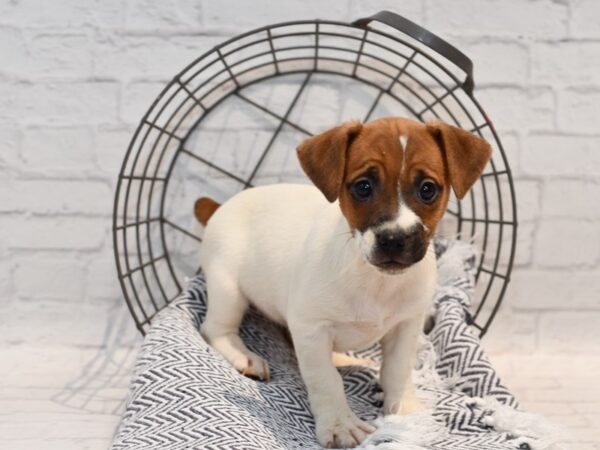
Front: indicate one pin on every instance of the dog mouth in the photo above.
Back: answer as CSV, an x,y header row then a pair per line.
x,y
391,266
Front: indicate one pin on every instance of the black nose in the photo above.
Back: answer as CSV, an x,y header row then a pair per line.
x,y
391,243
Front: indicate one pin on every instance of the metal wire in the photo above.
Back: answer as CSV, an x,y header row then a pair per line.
x,y
148,272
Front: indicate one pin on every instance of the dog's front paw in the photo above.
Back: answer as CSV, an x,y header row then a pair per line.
x,y
252,366
342,431
402,407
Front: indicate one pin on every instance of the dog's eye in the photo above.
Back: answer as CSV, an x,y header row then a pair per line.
x,y
428,191
362,189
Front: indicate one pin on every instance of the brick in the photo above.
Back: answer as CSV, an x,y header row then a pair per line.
x,y
67,102
567,243
6,280
58,55
525,239
565,63
513,108
173,15
56,233
512,148
58,149
528,193
570,332
13,50
578,110
532,19
148,57
10,143
101,279
137,98
571,199
541,290
110,147
49,278
490,54
561,155
411,9
65,197
67,14
583,21
218,15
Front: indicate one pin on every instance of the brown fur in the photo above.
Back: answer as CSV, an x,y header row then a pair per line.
x,y
204,208
336,159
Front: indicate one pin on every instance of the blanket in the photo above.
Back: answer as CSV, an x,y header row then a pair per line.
x,y
184,395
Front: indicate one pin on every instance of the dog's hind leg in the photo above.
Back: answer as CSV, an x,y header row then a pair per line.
x,y
226,308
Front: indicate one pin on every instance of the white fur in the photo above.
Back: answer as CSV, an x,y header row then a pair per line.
x,y
288,251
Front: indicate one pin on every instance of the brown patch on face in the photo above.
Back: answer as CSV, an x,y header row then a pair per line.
x,y
377,155
374,177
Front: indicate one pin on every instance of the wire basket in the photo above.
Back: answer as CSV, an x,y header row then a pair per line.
x,y
233,118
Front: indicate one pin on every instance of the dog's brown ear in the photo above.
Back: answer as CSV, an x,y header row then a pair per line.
x,y
323,157
466,155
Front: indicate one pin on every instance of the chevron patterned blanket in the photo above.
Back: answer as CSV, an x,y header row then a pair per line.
x,y
185,395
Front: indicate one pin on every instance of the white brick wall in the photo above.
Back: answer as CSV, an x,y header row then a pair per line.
x,y
77,75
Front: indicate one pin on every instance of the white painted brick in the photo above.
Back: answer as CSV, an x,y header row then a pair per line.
x,y
62,102
561,155
577,199
565,63
148,57
532,19
101,280
512,147
6,276
49,278
65,197
579,109
496,60
137,98
558,290
584,18
110,146
10,143
13,50
58,149
525,238
512,108
570,332
67,14
411,9
219,15
47,233
58,55
528,194
567,243
176,15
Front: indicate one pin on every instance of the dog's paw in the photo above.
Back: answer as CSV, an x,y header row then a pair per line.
x,y
252,366
403,407
343,431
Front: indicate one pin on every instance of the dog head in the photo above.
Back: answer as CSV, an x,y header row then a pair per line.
x,y
392,178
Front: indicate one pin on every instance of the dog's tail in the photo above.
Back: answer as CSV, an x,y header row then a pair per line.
x,y
204,208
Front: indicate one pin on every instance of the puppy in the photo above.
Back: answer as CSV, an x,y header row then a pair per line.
x,y
344,264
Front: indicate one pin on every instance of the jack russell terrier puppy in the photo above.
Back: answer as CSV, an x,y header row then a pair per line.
x,y
343,265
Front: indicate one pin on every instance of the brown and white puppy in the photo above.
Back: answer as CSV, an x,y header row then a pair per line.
x,y
343,265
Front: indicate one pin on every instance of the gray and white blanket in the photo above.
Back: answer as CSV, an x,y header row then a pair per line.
x,y
184,395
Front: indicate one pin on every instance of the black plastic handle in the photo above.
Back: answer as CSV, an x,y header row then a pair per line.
x,y
432,41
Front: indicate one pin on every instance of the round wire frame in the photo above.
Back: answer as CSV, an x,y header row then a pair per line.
x,y
233,117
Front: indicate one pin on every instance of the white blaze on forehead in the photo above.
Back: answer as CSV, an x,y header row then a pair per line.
x,y
403,141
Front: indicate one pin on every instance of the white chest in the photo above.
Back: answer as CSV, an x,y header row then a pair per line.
x,y
370,311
